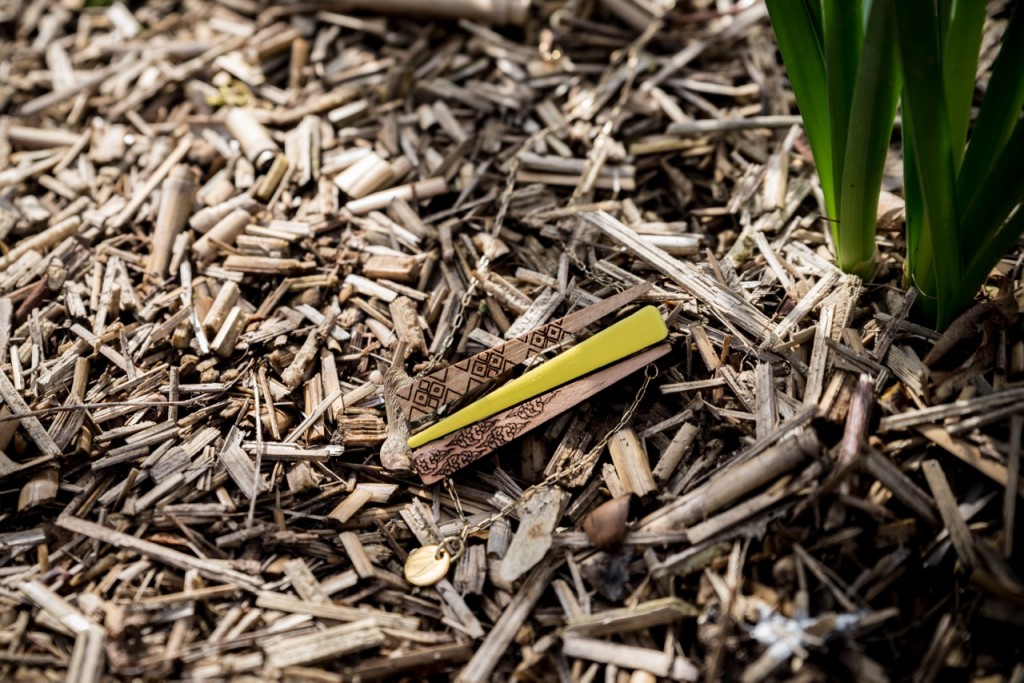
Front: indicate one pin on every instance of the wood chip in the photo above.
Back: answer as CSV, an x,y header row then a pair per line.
x,y
248,249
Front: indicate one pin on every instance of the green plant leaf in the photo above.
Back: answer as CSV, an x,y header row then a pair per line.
x,y
817,21
926,121
918,266
997,197
875,94
798,33
994,248
1000,109
961,43
844,31
913,210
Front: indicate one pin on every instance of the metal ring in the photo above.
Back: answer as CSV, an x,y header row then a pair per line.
x,y
454,546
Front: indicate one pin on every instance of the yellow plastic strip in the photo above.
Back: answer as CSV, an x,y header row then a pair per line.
x,y
643,328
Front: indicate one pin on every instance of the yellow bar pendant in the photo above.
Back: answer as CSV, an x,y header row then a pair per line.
x,y
640,330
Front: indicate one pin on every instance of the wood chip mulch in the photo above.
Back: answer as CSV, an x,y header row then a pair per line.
x,y
230,229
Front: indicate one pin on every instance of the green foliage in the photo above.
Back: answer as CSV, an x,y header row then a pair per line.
x,y
962,195
845,78
846,61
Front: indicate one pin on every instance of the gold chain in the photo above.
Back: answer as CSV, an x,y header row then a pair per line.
x,y
467,298
482,264
456,545
602,280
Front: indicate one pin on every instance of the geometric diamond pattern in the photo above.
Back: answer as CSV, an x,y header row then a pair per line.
x,y
423,397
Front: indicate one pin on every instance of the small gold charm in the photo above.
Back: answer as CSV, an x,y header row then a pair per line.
x,y
427,565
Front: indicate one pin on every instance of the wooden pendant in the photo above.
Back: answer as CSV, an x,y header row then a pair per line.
x,y
447,455
626,337
425,396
